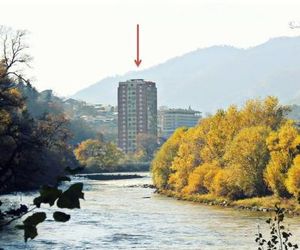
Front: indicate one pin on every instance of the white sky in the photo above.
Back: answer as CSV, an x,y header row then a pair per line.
x,y
78,42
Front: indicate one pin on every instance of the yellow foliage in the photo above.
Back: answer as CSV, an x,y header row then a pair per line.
x,y
95,153
275,175
86,150
221,183
266,112
210,176
283,146
15,93
5,120
293,178
201,178
161,165
247,156
234,153
285,139
183,164
214,137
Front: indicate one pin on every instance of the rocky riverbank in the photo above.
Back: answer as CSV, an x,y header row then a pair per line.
x,y
108,177
257,204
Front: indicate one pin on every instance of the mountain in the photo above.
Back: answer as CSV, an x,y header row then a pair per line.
x,y
295,100
294,113
214,77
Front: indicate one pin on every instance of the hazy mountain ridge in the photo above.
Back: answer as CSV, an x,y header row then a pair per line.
x,y
214,77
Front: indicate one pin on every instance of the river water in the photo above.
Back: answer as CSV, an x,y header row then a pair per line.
x,y
117,216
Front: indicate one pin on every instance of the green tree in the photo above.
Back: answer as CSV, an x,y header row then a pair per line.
x,y
147,145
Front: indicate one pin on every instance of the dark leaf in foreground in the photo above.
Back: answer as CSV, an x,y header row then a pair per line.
x,y
61,217
70,198
47,195
29,225
35,219
30,231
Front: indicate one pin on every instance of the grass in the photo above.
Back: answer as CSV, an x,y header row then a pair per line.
x,y
256,203
269,202
201,198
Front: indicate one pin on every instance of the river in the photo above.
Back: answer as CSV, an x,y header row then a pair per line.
x,y
117,216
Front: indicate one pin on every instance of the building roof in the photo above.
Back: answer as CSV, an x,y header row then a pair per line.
x,y
180,111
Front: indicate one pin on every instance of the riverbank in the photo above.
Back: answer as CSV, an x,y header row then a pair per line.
x,y
109,177
261,204
122,168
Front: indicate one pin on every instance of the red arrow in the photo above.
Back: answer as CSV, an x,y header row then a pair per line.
x,y
137,60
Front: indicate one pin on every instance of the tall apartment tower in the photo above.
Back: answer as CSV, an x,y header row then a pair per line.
x,y
137,112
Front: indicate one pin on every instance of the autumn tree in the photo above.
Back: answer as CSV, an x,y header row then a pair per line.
x,y
98,154
13,124
184,162
200,180
33,150
248,156
293,178
235,153
265,112
283,145
161,165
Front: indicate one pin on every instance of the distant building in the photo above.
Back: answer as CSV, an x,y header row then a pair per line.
x,y
171,119
137,112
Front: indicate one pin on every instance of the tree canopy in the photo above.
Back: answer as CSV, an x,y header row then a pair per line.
x,y
98,154
238,153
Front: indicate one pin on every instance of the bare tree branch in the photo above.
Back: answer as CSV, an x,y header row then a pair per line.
x,y
14,52
17,217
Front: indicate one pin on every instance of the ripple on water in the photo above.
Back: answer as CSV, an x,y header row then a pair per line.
x,y
114,216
